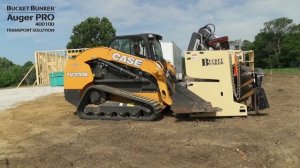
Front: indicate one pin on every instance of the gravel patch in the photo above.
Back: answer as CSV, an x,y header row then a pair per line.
x,y
9,98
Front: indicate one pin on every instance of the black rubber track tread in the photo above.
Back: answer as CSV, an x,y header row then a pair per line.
x,y
155,107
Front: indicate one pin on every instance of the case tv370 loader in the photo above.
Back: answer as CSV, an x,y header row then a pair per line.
x,y
131,80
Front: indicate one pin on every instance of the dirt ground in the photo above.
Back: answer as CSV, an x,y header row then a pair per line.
x,y
45,133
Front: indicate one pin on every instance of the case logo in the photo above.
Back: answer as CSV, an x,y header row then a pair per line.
x,y
127,60
77,74
207,62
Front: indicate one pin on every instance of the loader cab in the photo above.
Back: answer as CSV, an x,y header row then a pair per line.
x,y
141,45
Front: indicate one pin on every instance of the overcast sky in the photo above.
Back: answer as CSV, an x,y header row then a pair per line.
x,y
175,20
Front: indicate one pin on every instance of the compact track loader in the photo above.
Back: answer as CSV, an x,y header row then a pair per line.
x,y
128,80
131,80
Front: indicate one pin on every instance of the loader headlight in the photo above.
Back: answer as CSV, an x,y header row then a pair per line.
x,y
159,66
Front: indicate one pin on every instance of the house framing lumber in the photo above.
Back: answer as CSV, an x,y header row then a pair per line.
x,y
47,62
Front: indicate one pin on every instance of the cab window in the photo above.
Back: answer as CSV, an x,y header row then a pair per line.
x,y
156,50
132,46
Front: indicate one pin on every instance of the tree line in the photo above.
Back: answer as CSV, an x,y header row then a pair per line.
x,y
11,74
277,45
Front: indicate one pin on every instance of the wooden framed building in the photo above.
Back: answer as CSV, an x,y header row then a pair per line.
x,y
47,62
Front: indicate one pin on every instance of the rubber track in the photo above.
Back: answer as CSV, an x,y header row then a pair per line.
x,y
155,107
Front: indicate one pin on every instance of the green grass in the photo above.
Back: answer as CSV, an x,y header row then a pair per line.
x,y
283,71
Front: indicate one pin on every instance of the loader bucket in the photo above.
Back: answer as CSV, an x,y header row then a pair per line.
x,y
185,101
